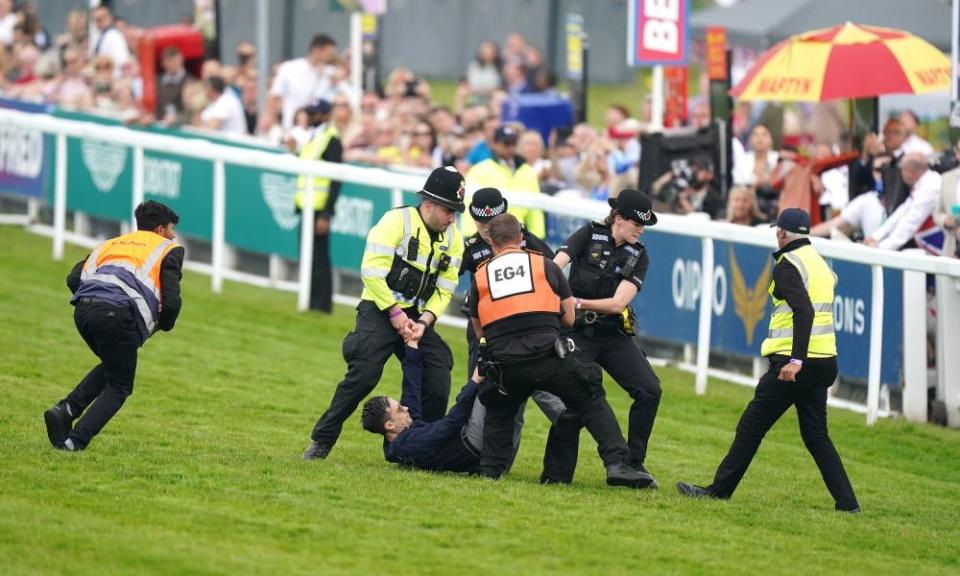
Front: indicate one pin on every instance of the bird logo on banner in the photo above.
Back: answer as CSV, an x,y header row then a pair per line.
x,y
750,304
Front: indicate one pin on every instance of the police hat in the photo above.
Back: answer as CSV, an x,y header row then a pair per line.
x,y
319,106
635,205
445,187
487,203
794,220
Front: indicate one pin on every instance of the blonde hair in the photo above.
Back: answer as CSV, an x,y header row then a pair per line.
x,y
754,205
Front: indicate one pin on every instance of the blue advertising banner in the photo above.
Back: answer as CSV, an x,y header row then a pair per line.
x,y
668,305
23,154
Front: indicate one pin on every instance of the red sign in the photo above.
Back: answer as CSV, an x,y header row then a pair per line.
x,y
675,79
717,53
658,32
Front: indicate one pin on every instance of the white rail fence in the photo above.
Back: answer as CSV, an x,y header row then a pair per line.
x,y
913,265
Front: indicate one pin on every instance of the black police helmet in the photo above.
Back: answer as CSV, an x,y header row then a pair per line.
x,y
635,205
486,204
445,186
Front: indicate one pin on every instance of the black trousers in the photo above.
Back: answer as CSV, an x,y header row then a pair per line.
x,y
321,276
626,363
577,384
560,454
366,349
772,398
112,334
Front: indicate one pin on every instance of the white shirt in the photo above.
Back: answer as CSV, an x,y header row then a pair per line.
x,y
836,188
113,45
299,83
914,143
865,212
743,170
6,29
229,111
907,219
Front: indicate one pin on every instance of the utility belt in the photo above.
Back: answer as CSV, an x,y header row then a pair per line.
x,y
492,369
590,323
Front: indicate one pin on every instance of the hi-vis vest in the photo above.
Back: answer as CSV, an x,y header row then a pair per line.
x,y
493,173
514,283
403,265
313,150
819,281
131,262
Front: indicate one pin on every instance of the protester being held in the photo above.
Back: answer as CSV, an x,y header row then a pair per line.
x,y
742,207
299,82
224,113
755,166
107,40
913,143
906,227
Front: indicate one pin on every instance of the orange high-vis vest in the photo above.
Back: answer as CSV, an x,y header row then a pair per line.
x,y
514,283
132,263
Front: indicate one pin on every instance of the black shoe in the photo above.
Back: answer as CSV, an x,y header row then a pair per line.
x,y
653,484
316,451
547,480
693,491
847,510
59,424
622,474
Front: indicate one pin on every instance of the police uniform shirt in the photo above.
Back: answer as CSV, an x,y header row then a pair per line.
x,y
527,344
593,246
476,251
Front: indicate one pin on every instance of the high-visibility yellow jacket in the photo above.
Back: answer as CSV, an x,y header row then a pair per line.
x,y
402,265
495,173
313,150
132,263
819,281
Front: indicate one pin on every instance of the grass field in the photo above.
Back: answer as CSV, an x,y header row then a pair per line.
x,y
200,472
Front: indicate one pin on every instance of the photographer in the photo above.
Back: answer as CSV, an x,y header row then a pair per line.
x,y
689,186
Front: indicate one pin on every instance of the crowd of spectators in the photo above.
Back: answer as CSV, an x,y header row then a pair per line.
x,y
890,194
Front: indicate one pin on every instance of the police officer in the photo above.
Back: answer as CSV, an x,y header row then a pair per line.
x,y
409,274
607,267
324,145
507,170
802,351
123,292
518,302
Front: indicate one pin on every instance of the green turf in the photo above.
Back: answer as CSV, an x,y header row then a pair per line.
x,y
200,472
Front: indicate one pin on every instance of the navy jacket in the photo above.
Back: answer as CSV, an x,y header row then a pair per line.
x,y
432,445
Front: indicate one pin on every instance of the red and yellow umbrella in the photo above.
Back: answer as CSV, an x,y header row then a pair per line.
x,y
848,61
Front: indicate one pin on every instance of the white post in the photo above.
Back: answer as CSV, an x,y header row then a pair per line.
x,y
306,249
656,99
914,344
219,226
706,316
876,344
396,197
81,224
137,181
356,59
948,338
33,210
60,198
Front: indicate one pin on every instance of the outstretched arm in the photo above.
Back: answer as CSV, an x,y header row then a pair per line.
x,y
412,380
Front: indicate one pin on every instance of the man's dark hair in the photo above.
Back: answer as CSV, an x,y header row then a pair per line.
x,y
151,214
216,84
374,414
322,41
504,229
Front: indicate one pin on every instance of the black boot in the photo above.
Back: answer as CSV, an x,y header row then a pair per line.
x,y
316,451
693,491
622,474
59,423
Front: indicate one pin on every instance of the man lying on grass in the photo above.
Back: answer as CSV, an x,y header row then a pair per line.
x,y
451,444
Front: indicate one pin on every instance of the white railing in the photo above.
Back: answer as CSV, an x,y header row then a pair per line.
x,y
913,265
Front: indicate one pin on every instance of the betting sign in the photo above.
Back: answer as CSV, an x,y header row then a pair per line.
x,y
658,32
